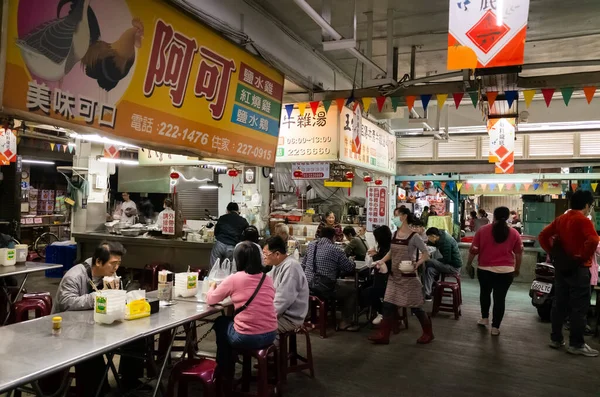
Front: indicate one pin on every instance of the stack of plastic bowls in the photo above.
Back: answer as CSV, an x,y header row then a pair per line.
x,y
186,284
109,306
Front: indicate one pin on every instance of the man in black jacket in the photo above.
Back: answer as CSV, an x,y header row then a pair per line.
x,y
228,233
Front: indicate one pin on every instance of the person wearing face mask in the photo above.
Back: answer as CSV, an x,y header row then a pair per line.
x,y
330,221
396,222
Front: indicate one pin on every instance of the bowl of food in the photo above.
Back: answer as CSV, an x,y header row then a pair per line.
x,y
406,267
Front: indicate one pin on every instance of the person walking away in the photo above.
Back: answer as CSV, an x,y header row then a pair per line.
x,y
425,216
449,263
403,289
383,238
572,241
291,287
357,246
500,252
254,325
228,233
330,221
323,264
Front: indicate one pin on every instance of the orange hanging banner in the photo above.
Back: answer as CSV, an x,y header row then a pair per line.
x,y
410,102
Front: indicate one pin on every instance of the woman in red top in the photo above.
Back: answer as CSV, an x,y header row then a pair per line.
x,y
500,252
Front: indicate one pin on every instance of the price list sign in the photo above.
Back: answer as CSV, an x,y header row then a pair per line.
x,y
377,208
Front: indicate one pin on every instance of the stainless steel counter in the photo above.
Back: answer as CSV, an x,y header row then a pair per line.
x,y
28,267
29,351
142,251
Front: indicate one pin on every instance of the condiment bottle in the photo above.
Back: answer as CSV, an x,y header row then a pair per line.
x,y
56,325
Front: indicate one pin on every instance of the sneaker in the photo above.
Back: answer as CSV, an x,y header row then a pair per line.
x,y
377,320
495,331
586,351
428,298
484,322
556,345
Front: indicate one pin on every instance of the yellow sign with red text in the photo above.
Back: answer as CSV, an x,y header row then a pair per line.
x,y
141,70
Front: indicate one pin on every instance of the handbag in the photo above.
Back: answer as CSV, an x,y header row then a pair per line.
x,y
563,262
245,305
321,286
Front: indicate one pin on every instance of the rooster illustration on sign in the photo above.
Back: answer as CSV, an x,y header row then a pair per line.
x,y
109,63
52,49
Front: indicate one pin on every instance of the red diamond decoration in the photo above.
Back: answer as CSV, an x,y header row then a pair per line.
x,y
502,152
112,150
505,165
8,153
486,33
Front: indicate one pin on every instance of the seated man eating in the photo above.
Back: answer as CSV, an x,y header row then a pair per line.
x,y
449,263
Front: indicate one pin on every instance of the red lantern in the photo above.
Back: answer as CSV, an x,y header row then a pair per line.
x,y
367,178
232,172
298,174
349,175
174,175
378,182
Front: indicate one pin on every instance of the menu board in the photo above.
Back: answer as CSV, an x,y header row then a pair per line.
x,y
311,170
377,208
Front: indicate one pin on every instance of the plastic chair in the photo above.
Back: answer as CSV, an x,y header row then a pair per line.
x,y
21,309
45,296
150,275
445,289
193,370
289,357
456,277
268,384
320,306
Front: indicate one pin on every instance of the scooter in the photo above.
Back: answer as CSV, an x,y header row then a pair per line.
x,y
542,290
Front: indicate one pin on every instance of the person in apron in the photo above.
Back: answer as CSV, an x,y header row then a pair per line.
x,y
404,289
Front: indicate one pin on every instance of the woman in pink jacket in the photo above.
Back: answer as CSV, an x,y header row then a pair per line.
x,y
252,293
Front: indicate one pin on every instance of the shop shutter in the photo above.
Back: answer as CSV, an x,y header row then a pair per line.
x,y
415,148
551,145
192,203
463,147
589,143
519,142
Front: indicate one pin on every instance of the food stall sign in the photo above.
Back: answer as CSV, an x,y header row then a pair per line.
x,y
377,146
486,33
308,137
173,83
8,147
377,212
337,184
311,170
148,157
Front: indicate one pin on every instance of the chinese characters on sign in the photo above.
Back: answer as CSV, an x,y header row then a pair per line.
x,y
376,207
502,144
8,147
168,222
311,170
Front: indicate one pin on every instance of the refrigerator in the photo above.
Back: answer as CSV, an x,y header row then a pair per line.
x,y
536,216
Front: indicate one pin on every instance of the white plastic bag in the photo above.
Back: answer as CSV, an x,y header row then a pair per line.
x,y
220,271
368,260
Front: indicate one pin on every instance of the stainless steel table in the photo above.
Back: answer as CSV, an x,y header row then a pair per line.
x,y
29,267
29,351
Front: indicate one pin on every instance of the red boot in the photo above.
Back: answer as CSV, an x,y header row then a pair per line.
x,y
427,336
382,335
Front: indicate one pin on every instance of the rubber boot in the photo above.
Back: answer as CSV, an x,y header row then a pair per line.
x,y
382,335
396,323
427,327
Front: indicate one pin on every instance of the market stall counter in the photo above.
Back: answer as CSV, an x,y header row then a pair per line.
x,y
142,251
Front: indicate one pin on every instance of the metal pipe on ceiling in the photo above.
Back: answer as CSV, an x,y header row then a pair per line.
x,y
319,20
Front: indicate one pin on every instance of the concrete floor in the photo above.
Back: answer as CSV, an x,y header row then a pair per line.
x,y
464,360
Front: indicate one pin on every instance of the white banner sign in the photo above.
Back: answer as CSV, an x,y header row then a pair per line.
x,y
377,212
311,170
502,144
308,137
8,147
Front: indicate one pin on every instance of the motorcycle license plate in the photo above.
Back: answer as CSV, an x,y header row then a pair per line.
x,y
541,287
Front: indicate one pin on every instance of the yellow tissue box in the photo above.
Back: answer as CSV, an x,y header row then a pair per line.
x,y
137,309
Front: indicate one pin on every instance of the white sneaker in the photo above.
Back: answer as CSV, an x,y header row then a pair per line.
x,y
495,331
377,320
484,322
586,351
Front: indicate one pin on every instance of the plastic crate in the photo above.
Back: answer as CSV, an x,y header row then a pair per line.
x,y
65,255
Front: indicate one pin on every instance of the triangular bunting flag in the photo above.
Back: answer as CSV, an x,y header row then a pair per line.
x,y
302,108
517,186
474,98
380,102
508,186
412,185
536,186
511,96
548,93
441,99
545,185
314,105
52,146
70,149
527,186
65,148
356,104
350,100
458,96
340,104
467,186
483,186
443,185
58,145
410,102
451,185
491,97
492,187
589,93
425,100
289,109
367,104
327,105
458,186
566,94
475,186
528,95
500,187
594,186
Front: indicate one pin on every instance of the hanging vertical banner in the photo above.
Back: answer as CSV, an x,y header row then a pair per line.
x,y
8,147
356,131
376,207
502,144
486,33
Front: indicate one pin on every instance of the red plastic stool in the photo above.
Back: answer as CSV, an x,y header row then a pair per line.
x,y
20,309
193,370
289,357
450,290
456,277
45,296
268,384
320,306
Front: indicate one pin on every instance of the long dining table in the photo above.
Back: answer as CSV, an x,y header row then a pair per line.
x,y
29,350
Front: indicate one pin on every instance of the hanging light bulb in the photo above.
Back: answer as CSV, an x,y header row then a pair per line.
x,y
298,174
367,178
378,182
233,172
349,175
